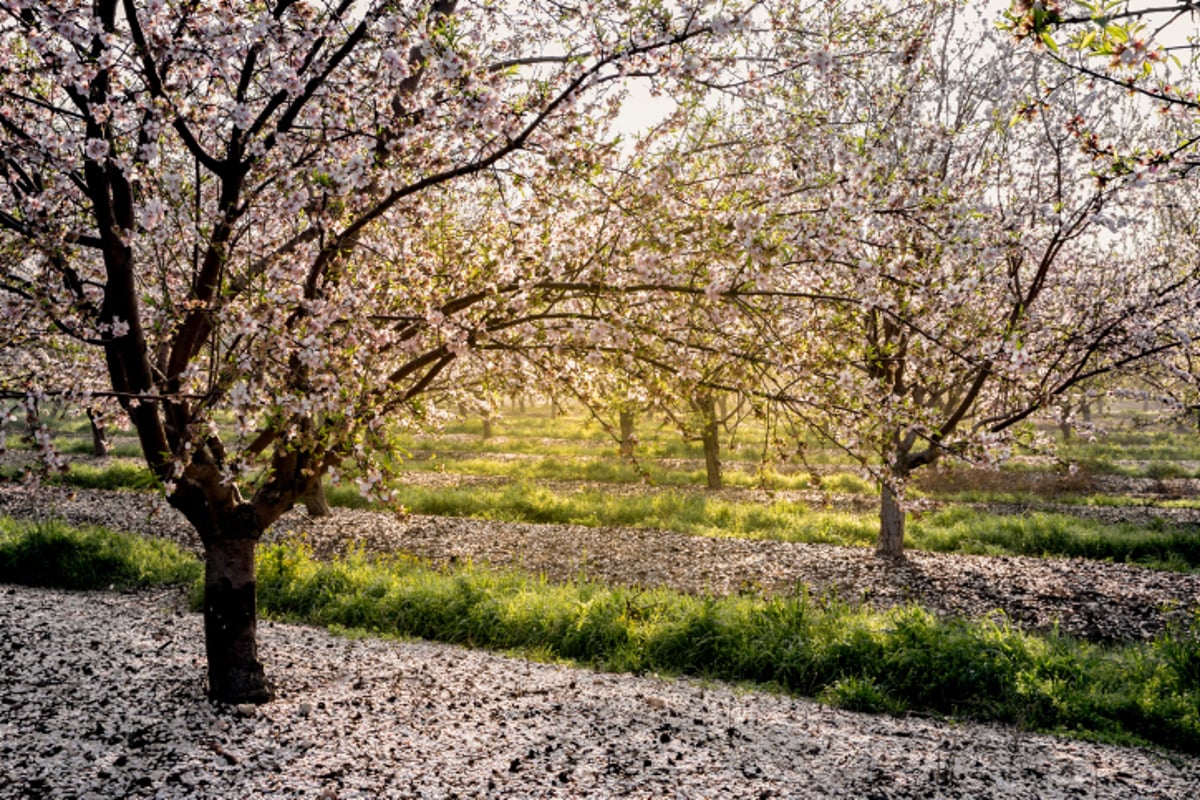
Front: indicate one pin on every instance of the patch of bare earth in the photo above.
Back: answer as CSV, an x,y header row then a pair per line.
x,y
101,694
103,697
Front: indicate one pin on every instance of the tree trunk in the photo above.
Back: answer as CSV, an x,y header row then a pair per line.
x,y
487,427
235,675
626,423
99,440
710,437
891,525
316,503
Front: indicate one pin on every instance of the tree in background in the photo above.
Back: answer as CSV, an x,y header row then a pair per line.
x,y
983,269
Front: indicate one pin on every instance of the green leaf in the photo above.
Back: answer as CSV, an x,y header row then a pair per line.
x,y
1048,40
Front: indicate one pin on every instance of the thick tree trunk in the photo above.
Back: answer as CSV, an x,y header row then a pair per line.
x,y
316,503
235,675
99,439
487,427
626,423
891,525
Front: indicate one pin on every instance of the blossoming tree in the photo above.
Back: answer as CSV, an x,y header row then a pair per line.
x,y
983,266
220,200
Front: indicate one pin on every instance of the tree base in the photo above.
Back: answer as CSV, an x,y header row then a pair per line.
x,y
242,685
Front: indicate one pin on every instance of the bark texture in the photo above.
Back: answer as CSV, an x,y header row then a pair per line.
x,y
235,675
710,437
316,503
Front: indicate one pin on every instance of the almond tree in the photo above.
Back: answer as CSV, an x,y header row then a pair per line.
x,y
973,266
221,201
911,250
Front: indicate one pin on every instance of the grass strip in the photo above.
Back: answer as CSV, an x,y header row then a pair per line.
x,y
966,530
614,470
1159,545
686,512
895,661
950,530
51,553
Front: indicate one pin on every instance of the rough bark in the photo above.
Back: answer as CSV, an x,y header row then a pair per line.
x,y
891,525
316,504
235,675
626,421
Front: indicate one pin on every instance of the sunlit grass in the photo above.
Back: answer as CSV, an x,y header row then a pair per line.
x,y
50,553
951,530
901,660
966,530
687,512
1138,446
612,470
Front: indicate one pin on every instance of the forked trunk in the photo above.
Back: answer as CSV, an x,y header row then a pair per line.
x,y
891,525
235,675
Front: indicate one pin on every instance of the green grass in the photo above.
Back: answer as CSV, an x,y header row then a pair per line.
x,y
952,530
965,530
614,470
896,661
1137,446
76,446
687,512
113,476
51,553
